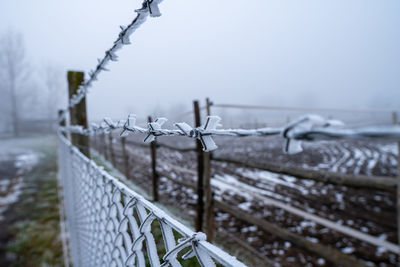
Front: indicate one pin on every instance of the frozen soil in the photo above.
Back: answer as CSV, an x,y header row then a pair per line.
x,y
369,211
377,158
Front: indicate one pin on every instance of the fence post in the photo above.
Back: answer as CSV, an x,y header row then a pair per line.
x,y
95,142
78,115
153,152
104,146
396,122
125,157
61,122
209,214
395,118
208,106
112,155
200,171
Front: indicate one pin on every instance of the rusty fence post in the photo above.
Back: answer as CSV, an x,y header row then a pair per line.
x,y
78,113
153,153
200,171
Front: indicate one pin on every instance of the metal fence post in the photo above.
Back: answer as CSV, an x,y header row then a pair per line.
x,y
200,171
78,114
153,153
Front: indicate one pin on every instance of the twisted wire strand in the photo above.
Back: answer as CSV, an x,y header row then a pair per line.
x,y
148,8
307,128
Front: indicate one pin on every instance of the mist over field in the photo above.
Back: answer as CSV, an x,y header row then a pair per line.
x,y
342,54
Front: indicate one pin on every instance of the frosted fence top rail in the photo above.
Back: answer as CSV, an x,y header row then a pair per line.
x,y
88,182
307,128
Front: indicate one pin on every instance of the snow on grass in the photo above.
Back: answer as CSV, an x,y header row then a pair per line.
x,y
348,250
11,189
342,160
4,185
11,196
27,160
390,148
225,183
380,251
268,180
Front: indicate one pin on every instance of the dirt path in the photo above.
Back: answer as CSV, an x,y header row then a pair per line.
x,y
28,203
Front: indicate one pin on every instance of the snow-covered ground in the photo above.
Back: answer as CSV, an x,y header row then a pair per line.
x,y
14,163
377,157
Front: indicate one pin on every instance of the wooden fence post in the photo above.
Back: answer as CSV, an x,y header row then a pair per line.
x,y
153,152
95,142
104,146
208,106
112,155
209,210
396,122
200,171
78,114
125,157
61,122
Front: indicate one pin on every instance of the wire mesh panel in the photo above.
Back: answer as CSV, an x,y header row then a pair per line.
x,y
108,224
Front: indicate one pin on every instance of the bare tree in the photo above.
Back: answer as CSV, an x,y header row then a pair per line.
x,y
55,89
14,71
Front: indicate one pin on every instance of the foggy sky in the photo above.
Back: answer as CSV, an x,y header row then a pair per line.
x,y
342,54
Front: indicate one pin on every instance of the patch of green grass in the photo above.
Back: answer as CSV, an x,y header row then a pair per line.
x,y
37,244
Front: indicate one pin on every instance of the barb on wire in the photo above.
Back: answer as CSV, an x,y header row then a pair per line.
x,y
149,7
306,123
307,128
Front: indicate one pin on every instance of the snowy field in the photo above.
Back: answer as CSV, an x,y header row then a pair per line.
x,y
287,201
377,158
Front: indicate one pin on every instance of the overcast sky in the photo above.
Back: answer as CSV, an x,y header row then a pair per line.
x,y
343,54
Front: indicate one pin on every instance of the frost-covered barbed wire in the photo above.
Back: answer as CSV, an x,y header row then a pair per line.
x,y
149,7
307,128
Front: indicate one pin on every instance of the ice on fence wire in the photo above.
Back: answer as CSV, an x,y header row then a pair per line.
x,y
305,123
153,8
206,140
154,126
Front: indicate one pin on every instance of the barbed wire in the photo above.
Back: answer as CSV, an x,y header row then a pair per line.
x,y
306,109
307,128
149,7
